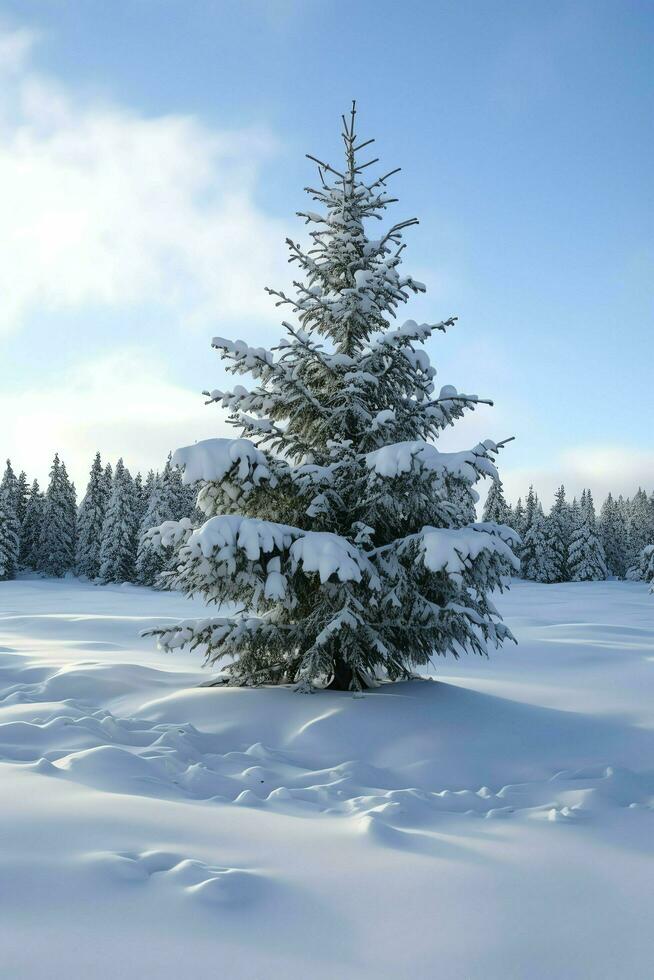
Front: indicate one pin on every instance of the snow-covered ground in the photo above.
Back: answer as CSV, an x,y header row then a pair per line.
x,y
497,824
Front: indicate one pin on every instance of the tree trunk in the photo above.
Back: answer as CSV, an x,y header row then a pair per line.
x,y
342,677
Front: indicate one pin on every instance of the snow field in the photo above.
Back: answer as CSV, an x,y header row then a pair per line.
x,y
494,823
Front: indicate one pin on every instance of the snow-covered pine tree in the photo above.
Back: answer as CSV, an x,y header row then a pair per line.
x,y
496,508
519,518
119,530
168,502
559,530
586,559
57,539
22,494
642,570
90,522
70,500
148,487
647,556
151,561
537,559
613,535
140,499
179,498
528,516
9,485
108,480
30,539
337,528
9,535
530,507
640,526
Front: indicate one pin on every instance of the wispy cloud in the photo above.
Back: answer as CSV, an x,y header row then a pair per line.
x,y
125,405
602,468
101,205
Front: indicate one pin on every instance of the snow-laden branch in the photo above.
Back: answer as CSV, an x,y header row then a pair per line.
x,y
452,550
321,552
400,458
210,460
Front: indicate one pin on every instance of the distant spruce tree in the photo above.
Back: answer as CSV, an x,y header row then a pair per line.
x,y
9,486
90,522
537,559
119,530
526,521
140,499
496,508
169,501
586,559
22,494
145,493
613,535
30,541
151,561
640,526
9,535
642,570
559,531
647,558
107,480
519,523
57,539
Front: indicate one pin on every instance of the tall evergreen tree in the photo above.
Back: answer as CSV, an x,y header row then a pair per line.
x,y
640,526
530,508
496,508
613,535
151,561
586,559
119,530
22,494
32,528
140,499
108,481
338,528
58,531
642,569
9,486
559,531
9,535
519,523
169,501
70,499
526,519
90,522
57,540
537,558
647,558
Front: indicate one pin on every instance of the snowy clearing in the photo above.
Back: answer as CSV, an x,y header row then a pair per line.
x,y
495,824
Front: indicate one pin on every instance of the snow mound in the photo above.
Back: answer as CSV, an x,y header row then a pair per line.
x,y
193,878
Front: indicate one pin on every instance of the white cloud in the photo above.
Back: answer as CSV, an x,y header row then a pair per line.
x,y
100,205
124,405
602,468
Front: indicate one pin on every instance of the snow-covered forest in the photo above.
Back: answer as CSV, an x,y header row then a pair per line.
x,y
571,542
104,537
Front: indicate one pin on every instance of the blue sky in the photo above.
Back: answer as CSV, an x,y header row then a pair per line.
x,y
152,159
